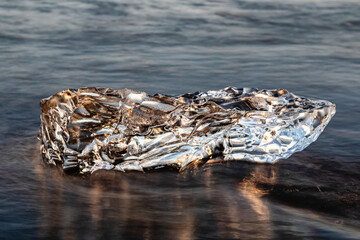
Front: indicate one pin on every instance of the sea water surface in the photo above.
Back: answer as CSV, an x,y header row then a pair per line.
x,y
309,47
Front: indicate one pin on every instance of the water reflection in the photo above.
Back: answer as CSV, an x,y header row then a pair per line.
x,y
304,46
196,203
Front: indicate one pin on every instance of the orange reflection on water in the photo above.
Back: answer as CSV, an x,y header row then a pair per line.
x,y
197,203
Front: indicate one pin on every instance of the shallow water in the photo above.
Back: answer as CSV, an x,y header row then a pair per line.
x,y
310,48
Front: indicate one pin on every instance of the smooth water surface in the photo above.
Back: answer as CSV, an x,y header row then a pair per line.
x,y
310,48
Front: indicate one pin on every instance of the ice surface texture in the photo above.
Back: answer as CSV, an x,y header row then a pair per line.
x,y
89,129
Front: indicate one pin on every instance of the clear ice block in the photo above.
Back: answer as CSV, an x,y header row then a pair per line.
x,y
88,129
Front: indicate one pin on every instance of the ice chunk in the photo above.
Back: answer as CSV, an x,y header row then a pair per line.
x,y
88,129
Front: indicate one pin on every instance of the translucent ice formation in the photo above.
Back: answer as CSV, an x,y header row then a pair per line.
x,y
89,129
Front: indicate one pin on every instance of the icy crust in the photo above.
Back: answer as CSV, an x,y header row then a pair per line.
x,y
89,129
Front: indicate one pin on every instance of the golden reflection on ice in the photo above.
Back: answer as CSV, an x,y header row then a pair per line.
x,y
92,129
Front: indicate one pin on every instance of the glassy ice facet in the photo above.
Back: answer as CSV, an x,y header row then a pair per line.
x,y
89,129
